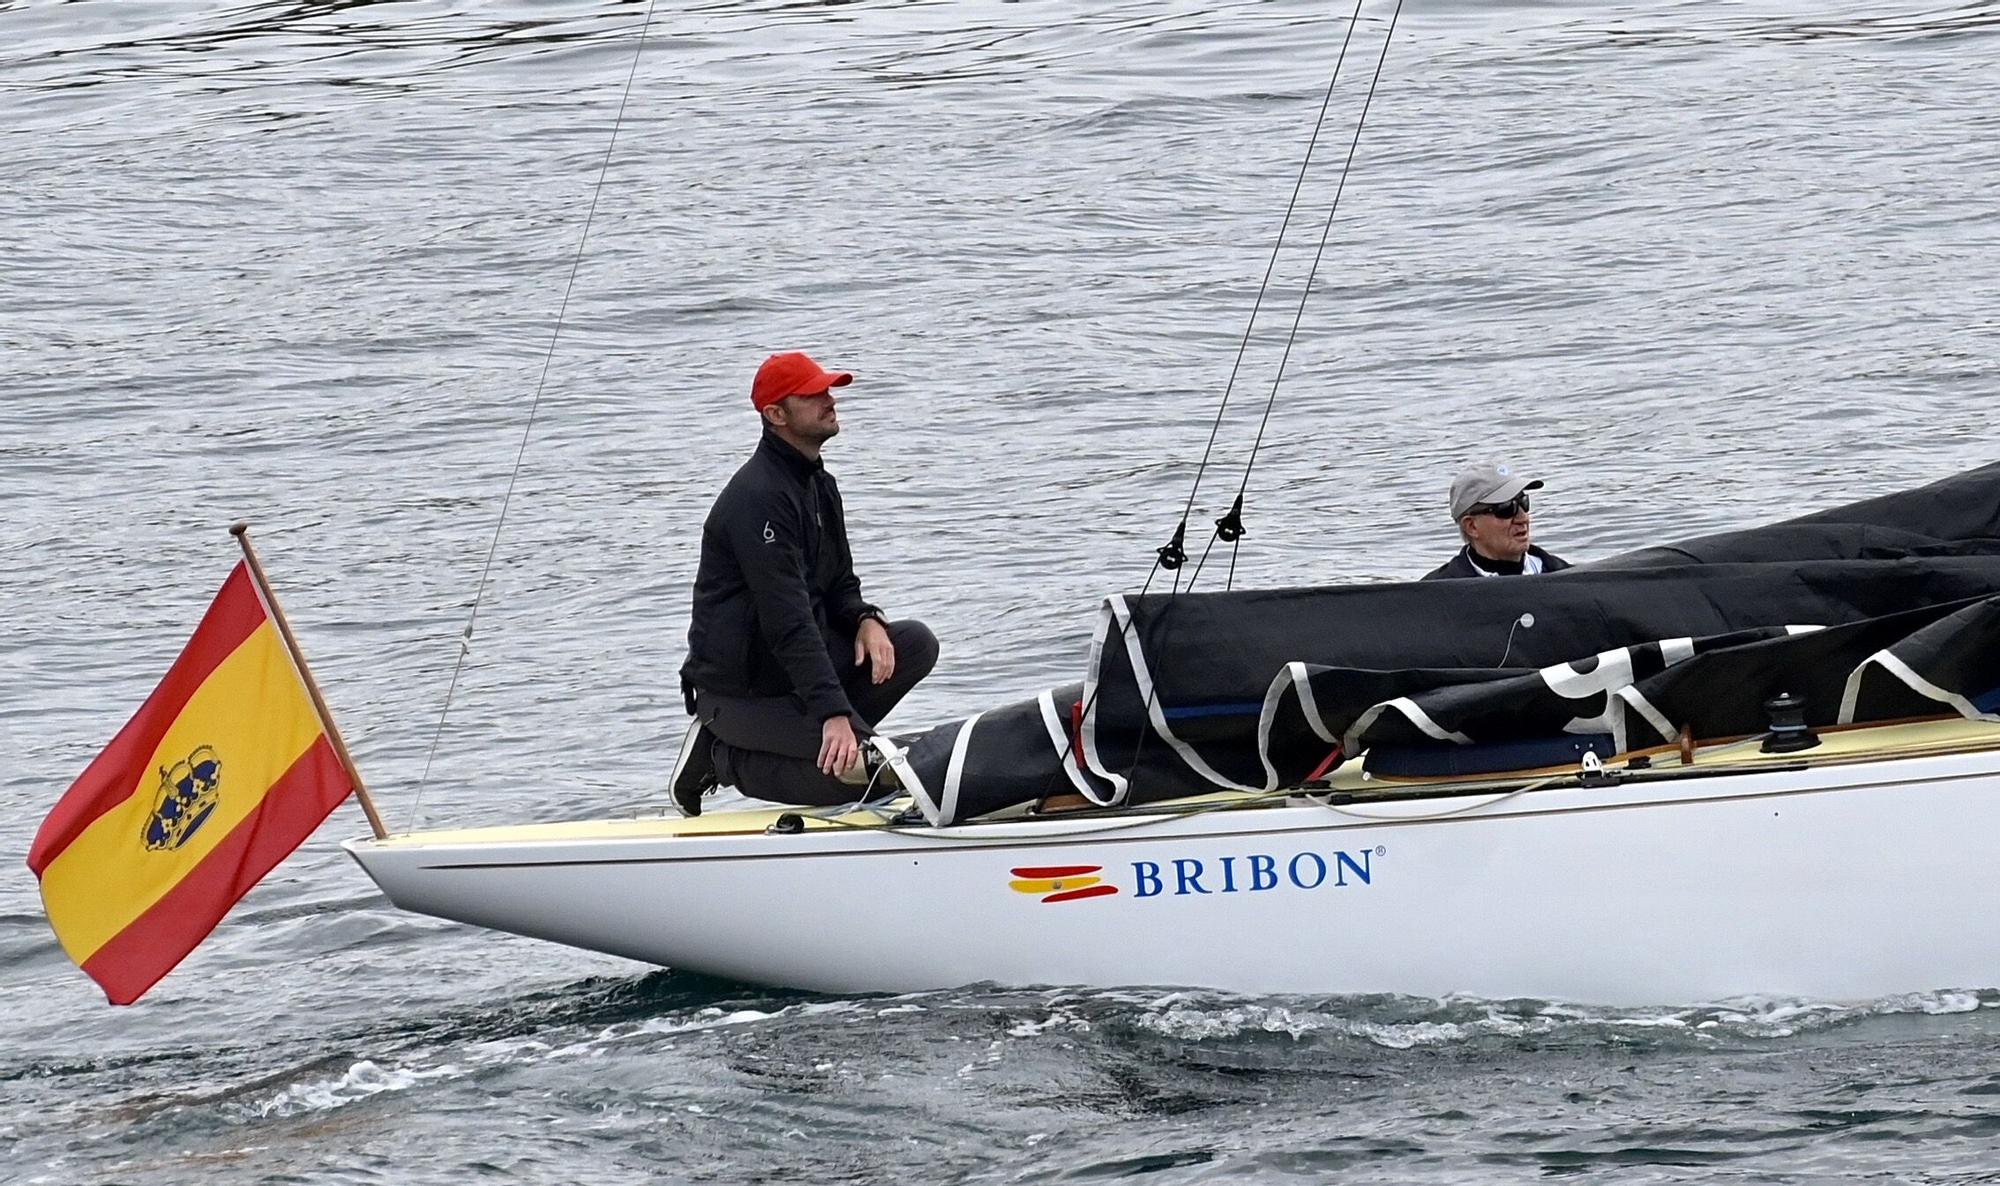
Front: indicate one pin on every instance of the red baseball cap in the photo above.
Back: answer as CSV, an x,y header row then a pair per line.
x,y
792,373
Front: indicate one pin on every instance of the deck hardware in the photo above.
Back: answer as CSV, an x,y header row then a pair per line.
x,y
1592,772
1789,733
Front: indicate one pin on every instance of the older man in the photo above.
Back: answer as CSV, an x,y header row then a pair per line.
x,y
789,667
1490,505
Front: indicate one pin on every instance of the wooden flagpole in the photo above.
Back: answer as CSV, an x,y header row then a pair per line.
x,y
242,533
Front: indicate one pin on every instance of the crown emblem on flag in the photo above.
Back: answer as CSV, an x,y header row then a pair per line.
x,y
189,791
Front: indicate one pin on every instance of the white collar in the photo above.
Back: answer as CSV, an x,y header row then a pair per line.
x,y
1531,564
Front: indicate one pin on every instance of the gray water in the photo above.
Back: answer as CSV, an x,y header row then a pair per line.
x,y
1696,264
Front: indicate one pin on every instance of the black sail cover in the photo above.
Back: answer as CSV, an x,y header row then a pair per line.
x,y
1881,609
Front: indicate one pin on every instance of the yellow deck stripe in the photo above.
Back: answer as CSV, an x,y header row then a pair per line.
x,y
1860,742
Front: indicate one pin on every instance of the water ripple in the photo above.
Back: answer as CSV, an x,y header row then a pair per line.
x,y
1698,264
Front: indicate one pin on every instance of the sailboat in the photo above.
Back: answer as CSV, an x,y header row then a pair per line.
x,y
1760,762
1766,761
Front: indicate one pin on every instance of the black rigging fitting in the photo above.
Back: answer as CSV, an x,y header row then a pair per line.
x,y
1174,554
1230,527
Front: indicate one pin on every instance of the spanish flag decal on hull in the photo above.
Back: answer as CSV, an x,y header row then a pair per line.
x,y
1061,883
224,771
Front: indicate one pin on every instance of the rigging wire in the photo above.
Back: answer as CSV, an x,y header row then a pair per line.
x,y
1173,554
576,265
1298,315
1230,527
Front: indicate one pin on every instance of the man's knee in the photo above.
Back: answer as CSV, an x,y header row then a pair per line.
x,y
772,724
916,647
777,778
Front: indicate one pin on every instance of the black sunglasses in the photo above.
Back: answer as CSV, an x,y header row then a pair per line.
x,y
1504,510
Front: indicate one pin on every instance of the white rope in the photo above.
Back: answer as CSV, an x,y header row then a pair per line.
x,y
1165,814
1168,814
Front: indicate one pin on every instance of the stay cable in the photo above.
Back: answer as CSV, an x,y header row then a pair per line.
x,y
576,265
1298,316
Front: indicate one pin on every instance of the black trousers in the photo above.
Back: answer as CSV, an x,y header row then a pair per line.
x,y
768,747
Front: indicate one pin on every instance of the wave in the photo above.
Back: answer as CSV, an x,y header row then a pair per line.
x,y
1711,24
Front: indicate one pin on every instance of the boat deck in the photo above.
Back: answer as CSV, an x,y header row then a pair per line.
x,y
1852,744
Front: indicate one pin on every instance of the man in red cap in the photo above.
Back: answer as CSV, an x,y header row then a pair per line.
x,y
789,668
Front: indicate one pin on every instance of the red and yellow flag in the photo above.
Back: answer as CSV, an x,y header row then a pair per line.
x,y
224,771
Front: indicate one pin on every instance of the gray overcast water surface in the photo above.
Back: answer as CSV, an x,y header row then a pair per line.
x,y
1697,264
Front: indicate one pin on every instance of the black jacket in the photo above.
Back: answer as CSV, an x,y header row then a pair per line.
x,y
776,598
1461,565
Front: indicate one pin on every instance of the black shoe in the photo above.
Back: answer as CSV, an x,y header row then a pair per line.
x,y
694,774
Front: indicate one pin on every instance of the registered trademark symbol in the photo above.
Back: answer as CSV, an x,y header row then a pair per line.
x,y
1380,851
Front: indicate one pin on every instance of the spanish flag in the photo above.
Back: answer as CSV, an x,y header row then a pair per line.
x,y
226,769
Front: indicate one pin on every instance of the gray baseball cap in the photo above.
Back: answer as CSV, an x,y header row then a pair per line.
x,y
1489,482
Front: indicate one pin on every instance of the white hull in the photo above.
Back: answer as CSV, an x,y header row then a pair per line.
x,y
1848,881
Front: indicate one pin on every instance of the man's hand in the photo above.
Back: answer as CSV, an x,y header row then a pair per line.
x,y
871,644
838,749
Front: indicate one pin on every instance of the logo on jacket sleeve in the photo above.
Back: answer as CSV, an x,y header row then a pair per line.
x,y
770,537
